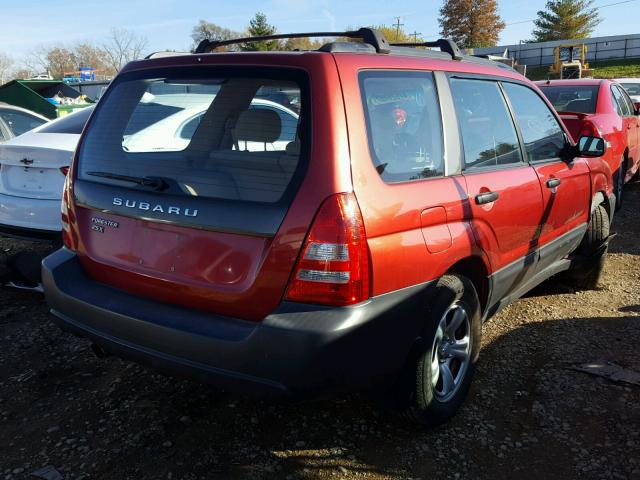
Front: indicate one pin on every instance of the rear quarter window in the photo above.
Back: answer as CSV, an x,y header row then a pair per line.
x,y
404,125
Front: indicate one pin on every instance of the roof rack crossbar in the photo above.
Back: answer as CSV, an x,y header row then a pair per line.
x,y
444,44
368,35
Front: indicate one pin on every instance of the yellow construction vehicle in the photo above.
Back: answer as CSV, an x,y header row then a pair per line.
x,y
570,62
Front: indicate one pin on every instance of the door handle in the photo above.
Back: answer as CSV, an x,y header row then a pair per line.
x,y
553,182
488,197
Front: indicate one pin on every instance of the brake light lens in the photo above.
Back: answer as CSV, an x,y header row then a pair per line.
x,y
589,129
64,211
333,268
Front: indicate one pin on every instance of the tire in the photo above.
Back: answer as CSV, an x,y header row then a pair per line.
x,y
433,397
619,184
587,275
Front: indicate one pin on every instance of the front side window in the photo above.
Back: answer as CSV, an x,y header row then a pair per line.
x,y
20,122
542,135
198,132
488,134
404,125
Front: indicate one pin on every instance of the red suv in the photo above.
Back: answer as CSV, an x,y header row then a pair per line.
x,y
308,221
601,108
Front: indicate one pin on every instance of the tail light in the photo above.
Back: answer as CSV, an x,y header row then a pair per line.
x,y
589,129
65,212
333,268
64,170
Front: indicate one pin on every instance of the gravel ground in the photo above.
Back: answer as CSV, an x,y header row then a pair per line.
x,y
528,415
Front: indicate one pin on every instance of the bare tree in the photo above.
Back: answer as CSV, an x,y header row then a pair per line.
x,y
37,60
6,64
21,74
210,31
122,47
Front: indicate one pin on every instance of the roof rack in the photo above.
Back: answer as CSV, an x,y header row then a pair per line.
x,y
444,44
368,35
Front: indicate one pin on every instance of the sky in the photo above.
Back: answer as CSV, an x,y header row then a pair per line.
x,y
167,24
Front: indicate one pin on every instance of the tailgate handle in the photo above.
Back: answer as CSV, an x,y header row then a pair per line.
x,y
488,197
553,183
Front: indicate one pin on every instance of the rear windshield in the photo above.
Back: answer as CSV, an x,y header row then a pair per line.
x,y
572,98
214,133
72,123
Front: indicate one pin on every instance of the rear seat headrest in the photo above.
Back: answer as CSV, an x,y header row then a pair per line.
x,y
258,125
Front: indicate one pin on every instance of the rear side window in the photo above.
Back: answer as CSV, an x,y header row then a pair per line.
x,y
72,123
199,132
20,122
488,134
403,123
625,108
572,98
542,135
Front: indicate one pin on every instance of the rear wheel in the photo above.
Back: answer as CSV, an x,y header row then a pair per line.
x,y
439,373
619,184
587,274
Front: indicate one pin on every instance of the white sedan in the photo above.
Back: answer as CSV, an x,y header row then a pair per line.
x,y
32,171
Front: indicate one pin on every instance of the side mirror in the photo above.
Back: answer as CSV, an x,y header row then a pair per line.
x,y
636,105
591,146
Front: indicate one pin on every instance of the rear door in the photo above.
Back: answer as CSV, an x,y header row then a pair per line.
x,y
566,187
504,192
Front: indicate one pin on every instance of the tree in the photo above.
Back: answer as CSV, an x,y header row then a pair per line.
x,y
88,55
210,31
302,44
6,64
60,61
565,19
397,35
258,27
122,47
471,23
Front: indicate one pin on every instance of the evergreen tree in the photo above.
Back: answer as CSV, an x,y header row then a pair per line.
x,y
471,23
258,27
565,19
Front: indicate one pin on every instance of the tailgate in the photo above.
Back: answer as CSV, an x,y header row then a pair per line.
x,y
184,180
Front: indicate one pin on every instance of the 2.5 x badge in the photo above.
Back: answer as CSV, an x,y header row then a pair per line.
x,y
98,224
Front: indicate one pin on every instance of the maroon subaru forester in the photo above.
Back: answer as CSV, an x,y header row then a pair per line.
x,y
297,222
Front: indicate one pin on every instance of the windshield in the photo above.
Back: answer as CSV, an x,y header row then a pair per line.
x,y
198,132
572,98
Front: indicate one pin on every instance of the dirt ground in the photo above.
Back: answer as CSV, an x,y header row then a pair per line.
x,y
529,415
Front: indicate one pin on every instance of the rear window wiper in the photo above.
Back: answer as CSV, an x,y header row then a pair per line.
x,y
155,183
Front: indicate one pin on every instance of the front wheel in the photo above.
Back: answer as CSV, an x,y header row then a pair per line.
x,y
444,363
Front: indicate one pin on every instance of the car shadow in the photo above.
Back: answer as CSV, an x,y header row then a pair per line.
x,y
525,408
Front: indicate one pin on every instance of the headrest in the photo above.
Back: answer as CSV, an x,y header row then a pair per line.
x,y
292,148
258,125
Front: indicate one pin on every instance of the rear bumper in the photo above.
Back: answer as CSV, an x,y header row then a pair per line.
x,y
298,349
29,217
